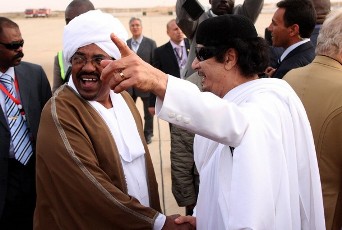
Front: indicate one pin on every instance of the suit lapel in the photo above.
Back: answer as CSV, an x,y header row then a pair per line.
x,y
142,46
3,119
187,46
171,53
129,43
299,49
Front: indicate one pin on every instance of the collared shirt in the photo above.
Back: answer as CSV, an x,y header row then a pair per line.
x,y
292,47
183,57
135,43
211,13
9,72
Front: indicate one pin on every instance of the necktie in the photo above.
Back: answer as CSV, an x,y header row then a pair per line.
x,y
179,55
19,131
135,45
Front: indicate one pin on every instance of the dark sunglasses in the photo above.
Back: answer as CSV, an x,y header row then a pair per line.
x,y
204,53
13,45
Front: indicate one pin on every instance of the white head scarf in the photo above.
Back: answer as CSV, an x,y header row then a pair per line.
x,y
93,27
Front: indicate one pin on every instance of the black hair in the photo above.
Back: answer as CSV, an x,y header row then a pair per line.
x,y
253,55
301,12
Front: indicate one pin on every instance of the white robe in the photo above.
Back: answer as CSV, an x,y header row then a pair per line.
x,y
271,181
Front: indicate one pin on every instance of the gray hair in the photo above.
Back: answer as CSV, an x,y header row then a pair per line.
x,y
329,41
133,19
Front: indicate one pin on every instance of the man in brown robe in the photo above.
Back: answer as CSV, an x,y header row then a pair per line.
x,y
94,170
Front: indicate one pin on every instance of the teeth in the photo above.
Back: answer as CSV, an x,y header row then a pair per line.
x,y
89,79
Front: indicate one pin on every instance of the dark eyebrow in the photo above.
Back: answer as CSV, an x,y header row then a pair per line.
x,y
94,56
99,55
79,53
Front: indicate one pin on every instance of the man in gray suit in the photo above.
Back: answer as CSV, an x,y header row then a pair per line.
x,y
24,91
144,48
189,25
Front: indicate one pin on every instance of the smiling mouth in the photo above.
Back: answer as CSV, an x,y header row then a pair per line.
x,y
201,74
86,79
88,83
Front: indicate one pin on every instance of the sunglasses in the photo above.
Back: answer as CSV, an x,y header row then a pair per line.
x,y
204,53
13,45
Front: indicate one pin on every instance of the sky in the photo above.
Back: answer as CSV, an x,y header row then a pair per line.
x,y
21,5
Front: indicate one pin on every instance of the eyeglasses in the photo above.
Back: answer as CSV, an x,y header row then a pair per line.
x,y
13,45
82,60
204,53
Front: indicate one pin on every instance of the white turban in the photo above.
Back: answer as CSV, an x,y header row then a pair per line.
x,y
93,27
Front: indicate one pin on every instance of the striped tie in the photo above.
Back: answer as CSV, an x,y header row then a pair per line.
x,y
18,128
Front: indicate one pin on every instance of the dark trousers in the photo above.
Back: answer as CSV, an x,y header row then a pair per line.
x,y
20,197
148,118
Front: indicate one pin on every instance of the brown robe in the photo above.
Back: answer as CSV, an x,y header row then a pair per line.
x,y
80,179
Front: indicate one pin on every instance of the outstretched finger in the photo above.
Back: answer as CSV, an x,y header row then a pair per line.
x,y
122,46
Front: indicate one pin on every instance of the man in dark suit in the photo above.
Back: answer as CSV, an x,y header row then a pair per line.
x,y
184,175
24,91
171,57
144,48
291,28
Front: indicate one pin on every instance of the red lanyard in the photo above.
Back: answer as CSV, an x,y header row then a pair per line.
x,y
15,100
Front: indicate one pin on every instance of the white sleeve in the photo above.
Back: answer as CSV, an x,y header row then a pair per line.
x,y
202,113
160,221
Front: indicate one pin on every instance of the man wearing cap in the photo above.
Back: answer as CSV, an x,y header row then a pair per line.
x,y
253,147
189,25
94,169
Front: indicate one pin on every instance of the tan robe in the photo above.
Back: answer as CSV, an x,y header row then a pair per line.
x,y
80,179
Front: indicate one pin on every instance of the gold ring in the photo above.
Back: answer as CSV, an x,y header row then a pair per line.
x,y
122,75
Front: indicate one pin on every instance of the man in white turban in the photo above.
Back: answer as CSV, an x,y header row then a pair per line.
x,y
94,170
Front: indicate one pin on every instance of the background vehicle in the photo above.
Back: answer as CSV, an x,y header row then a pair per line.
x,y
44,12
31,13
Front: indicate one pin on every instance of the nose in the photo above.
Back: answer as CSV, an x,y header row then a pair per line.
x,y
20,48
195,64
89,65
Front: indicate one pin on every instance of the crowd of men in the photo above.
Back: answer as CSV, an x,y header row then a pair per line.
x,y
255,123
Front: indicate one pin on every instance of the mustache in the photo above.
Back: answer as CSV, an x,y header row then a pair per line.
x,y
81,73
18,55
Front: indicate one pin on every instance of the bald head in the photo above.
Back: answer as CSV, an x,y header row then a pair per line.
x,y
77,7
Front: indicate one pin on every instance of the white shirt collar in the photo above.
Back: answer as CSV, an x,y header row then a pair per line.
x,y
139,39
181,44
212,13
9,72
292,47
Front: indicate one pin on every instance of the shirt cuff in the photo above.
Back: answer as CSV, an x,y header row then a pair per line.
x,y
160,221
